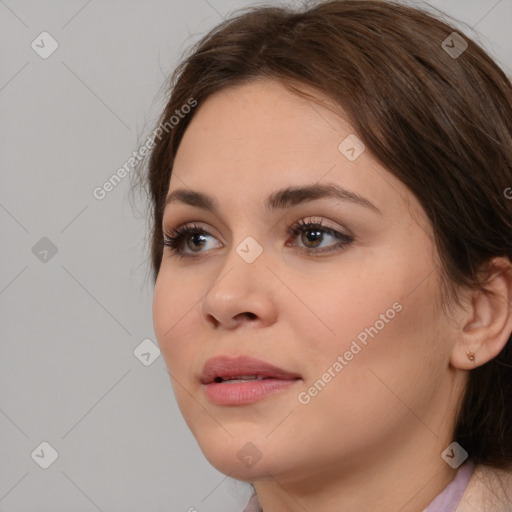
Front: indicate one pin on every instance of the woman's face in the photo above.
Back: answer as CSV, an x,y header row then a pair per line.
x,y
351,317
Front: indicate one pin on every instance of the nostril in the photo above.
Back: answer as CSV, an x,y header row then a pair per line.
x,y
248,314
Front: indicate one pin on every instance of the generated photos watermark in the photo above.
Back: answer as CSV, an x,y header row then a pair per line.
x,y
100,192
304,397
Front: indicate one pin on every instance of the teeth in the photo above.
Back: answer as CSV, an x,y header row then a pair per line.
x,y
243,378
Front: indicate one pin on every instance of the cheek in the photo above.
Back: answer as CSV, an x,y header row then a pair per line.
x,y
173,309
164,301
359,304
175,320
384,389
391,355
383,324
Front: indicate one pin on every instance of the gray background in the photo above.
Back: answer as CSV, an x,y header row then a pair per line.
x,y
70,321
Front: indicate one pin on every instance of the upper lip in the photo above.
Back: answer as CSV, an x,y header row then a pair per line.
x,y
231,367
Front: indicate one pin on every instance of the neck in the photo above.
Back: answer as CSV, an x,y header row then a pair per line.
x,y
391,479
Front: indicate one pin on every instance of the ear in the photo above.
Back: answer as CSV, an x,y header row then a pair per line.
x,y
486,326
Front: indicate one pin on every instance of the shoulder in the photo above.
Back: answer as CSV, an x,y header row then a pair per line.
x,y
489,490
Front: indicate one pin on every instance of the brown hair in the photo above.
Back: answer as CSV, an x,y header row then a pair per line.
x,y
439,123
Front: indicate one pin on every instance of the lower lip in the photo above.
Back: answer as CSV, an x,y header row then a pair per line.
x,y
239,393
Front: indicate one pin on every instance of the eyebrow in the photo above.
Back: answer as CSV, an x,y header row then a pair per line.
x,y
279,199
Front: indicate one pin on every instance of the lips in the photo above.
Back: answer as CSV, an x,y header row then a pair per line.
x,y
237,381
243,368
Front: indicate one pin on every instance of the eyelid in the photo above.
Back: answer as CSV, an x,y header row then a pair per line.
x,y
197,225
175,237
302,225
186,228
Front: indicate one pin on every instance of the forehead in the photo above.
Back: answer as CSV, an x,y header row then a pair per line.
x,y
248,140
261,120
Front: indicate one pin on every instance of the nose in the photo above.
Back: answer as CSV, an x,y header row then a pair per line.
x,y
241,293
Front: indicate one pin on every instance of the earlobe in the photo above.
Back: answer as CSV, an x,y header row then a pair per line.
x,y
487,325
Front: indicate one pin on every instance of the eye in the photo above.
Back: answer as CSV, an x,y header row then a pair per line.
x,y
312,234
193,236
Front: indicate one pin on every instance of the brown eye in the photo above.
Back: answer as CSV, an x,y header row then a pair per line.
x,y
312,234
194,237
311,238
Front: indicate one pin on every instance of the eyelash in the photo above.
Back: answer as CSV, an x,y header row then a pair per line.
x,y
174,239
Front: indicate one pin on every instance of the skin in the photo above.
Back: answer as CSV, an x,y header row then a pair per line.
x,y
371,439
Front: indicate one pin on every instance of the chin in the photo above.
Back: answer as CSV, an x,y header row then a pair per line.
x,y
243,457
245,463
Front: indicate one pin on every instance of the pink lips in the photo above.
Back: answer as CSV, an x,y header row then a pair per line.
x,y
219,373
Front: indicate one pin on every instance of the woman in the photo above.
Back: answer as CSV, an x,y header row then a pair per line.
x,y
332,247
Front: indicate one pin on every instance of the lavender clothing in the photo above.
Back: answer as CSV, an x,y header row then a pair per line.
x,y
449,498
446,501
253,505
